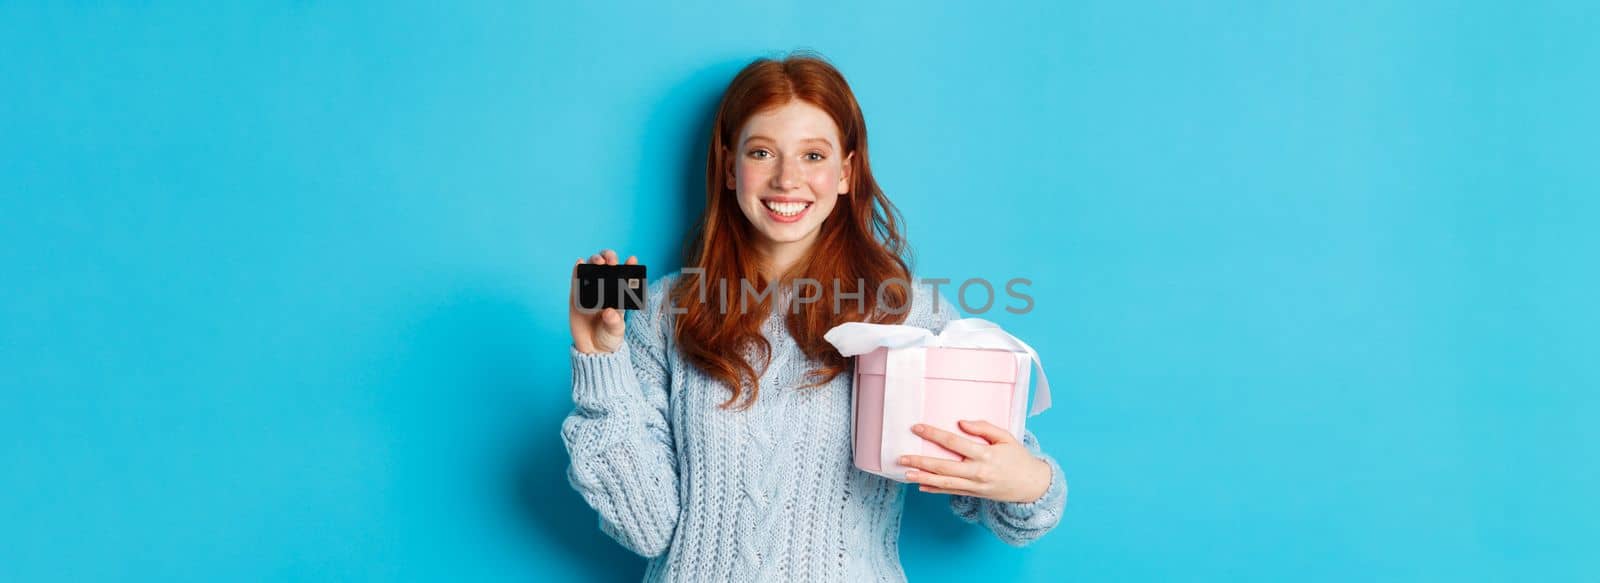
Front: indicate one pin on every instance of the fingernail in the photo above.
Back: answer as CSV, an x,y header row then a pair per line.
x,y
918,428
905,461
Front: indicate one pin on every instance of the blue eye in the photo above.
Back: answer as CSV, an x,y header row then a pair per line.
x,y
818,155
755,152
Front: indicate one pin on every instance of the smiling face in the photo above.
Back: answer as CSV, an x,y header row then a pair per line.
x,y
788,169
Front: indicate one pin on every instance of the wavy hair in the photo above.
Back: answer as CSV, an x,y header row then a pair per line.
x,y
858,243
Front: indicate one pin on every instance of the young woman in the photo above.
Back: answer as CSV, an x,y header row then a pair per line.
x,y
712,430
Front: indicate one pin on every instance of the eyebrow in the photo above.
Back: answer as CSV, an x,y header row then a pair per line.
x,y
753,138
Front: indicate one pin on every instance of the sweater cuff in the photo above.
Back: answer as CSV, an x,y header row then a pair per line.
x,y
1053,497
604,377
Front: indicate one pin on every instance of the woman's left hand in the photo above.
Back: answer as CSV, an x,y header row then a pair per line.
x,y
1002,470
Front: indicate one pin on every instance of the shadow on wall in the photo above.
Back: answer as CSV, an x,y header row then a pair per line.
x,y
543,497
930,529
679,123
471,400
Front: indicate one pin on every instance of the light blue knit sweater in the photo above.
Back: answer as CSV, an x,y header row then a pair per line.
x,y
765,494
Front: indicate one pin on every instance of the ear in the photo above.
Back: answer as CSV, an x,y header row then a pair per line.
x,y
844,177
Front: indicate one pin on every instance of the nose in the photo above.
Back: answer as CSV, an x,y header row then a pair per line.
x,y
790,175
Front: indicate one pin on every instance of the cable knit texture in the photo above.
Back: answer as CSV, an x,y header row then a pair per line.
x,y
765,494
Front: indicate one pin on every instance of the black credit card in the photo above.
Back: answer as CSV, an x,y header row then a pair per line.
x,y
611,286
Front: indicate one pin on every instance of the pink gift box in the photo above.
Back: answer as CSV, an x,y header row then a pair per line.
x,y
954,384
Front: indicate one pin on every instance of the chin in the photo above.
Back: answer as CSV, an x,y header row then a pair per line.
x,y
789,235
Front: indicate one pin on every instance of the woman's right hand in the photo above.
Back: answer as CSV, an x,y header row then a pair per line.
x,y
595,332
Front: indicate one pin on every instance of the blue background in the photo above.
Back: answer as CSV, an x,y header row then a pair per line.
x,y
284,283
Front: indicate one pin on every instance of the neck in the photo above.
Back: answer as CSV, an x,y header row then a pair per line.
x,y
781,257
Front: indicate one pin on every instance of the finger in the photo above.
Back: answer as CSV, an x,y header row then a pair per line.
x,y
633,260
612,320
994,433
941,466
597,259
611,256
942,481
933,490
962,446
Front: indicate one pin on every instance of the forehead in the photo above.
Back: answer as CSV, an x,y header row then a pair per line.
x,y
792,122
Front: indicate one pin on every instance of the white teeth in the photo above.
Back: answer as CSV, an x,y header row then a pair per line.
x,y
787,209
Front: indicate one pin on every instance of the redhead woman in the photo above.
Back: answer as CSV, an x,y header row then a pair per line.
x,y
711,429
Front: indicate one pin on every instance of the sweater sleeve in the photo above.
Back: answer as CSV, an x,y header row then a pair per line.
x,y
1015,523
1018,523
623,461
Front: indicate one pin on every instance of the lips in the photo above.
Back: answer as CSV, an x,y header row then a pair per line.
x,y
786,210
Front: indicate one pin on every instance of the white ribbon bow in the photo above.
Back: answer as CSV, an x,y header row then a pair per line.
x,y
856,338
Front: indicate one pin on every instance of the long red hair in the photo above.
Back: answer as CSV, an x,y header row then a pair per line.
x,y
859,242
